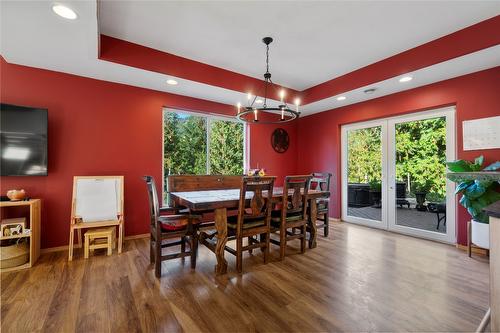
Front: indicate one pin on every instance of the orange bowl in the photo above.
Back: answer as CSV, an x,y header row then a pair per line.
x,y
16,195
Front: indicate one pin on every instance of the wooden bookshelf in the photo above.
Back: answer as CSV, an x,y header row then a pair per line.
x,y
33,223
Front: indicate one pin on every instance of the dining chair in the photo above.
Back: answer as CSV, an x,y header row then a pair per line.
x,y
166,227
252,222
291,219
321,182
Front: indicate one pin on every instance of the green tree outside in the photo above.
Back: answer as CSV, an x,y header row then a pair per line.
x,y
226,148
420,155
185,145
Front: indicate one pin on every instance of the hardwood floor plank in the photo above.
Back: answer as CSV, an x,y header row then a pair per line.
x,y
63,310
28,301
357,279
122,311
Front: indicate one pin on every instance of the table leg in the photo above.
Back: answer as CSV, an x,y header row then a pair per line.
x,y
221,226
312,223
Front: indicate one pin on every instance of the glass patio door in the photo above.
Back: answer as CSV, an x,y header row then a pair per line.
x,y
421,198
394,174
364,186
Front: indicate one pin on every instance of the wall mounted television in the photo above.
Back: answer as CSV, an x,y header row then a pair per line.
x,y
23,139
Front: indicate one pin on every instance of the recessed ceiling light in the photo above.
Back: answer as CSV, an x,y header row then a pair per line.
x,y
172,82
341,98
64,11
259,101
370,91
405,78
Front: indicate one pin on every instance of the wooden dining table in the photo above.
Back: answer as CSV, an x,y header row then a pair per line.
x,y
219,201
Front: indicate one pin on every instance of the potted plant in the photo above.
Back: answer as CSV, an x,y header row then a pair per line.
x,y
420,189
376,193
478,189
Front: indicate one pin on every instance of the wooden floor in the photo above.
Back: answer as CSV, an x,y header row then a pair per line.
x,y
359,279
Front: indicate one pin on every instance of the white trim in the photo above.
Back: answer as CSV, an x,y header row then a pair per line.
x,y
388,167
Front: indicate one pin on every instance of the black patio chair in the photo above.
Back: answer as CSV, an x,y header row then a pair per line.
x,y
440,210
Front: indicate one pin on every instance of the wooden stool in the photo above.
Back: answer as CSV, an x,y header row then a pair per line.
x,y
102,238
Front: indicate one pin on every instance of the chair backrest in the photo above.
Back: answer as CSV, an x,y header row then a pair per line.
x,y
154,205
296,202
259,190
97,198
188,183
320,181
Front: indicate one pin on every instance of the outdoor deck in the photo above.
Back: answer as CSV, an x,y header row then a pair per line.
x,y
409,217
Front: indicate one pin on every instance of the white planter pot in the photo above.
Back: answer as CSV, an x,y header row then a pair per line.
x,y
480,234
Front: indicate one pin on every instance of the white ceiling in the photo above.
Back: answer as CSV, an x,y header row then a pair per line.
x,y
32,35
315,41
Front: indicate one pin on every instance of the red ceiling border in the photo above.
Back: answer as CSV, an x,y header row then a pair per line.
x,y
468,40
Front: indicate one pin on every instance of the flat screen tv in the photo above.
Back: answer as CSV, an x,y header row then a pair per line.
x,y
23,135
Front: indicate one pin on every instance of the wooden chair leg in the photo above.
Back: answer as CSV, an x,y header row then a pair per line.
x,y
250,242
239,255
158,252
265,238
194,250
327,225
262,239
71,240
282,242
151,249
183,244
469,243
303,239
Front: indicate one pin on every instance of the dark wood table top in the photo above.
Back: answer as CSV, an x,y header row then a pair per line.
x,y
228,198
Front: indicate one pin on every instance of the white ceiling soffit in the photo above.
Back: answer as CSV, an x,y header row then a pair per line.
x,y
32,35
470,63
315,41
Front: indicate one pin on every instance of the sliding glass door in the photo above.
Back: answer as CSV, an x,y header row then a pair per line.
x,y
394,174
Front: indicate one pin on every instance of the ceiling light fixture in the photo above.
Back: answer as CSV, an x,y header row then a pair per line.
x,y
64,11
341,98
405,78
172,82
271,115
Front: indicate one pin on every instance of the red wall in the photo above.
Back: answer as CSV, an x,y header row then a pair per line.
x,y
475,95
104,128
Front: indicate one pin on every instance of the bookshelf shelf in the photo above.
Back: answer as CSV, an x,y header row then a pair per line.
x,y
33,223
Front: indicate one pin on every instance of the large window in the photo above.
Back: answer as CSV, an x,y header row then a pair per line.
x,y
196,144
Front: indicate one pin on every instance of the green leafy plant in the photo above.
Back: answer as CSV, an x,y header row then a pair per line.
x,y
375,186
476,193
422,186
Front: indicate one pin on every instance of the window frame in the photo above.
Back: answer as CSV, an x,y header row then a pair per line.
x,y
209,118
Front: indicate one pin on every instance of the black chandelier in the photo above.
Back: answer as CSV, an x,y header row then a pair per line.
x,y
267,114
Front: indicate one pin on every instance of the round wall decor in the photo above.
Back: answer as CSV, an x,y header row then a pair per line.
x,y
280,140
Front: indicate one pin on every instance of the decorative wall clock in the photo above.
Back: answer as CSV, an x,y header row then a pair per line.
x,y
280,140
